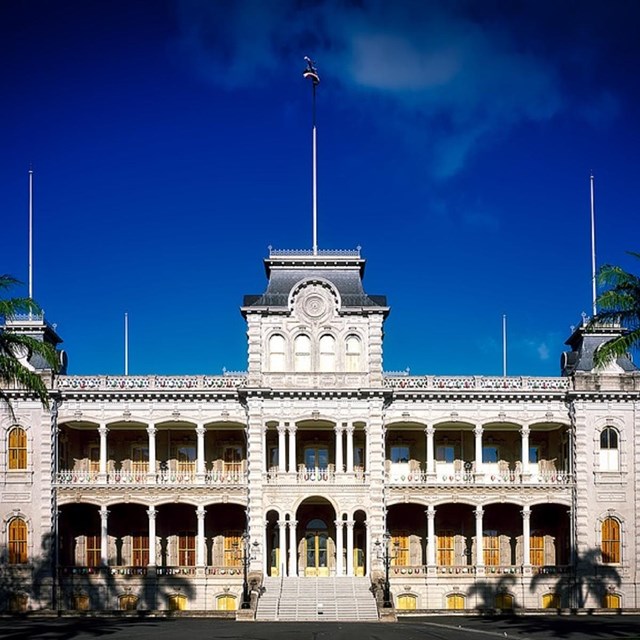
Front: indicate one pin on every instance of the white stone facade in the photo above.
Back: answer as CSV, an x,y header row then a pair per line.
x,y
135,491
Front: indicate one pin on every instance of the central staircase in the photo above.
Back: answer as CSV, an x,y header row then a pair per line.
x,y
311,599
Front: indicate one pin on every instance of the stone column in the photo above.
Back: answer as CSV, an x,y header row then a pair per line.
x,y
368,548
282,453
200,541
350,449
152,512
102,469
282,539
293,552
200,461
524,432
479,466
339,547
526,536
431,536
151,432
366,449
339,462
265,453
104,536
292,449
349,524
479,537
429,432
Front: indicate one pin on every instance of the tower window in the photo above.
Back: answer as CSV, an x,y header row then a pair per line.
x,y
353,348
302,353
609,451
327,353
17,448
277,353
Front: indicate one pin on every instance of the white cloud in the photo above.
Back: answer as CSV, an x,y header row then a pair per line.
x,y
448,80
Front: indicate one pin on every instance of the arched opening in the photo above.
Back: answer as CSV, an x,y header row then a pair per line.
x,y
302,353
316,538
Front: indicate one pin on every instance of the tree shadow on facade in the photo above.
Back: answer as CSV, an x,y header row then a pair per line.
x,y
585,587
38,585
492,595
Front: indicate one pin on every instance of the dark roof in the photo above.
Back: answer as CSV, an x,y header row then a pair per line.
x,y
344,274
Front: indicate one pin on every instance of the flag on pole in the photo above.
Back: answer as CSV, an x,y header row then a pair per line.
x,y
311,71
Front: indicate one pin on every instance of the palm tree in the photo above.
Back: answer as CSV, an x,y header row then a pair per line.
x,y
619,304
16,348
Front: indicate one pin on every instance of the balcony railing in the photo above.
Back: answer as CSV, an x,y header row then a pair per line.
x,y
316,475
401,380
398,475
151,383
162,477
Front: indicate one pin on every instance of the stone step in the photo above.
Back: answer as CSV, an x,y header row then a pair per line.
x,y
338,598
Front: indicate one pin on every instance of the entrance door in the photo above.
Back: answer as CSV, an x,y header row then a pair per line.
x,y
316,539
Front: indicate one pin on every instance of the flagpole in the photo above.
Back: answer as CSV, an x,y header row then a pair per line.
x,y
504,345
312,73
126,344
30,233
593,249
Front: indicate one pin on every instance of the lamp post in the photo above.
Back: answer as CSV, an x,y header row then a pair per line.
x,y
387,556
248,554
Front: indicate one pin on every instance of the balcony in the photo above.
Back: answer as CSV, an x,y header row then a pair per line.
x,y
316,475
542,473
219,473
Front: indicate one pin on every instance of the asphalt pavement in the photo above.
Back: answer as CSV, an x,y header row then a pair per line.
x,y
620,627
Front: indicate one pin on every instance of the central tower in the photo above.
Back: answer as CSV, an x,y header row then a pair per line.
x,y
315,326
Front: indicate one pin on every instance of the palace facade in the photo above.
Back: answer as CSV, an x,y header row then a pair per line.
x,y
173,492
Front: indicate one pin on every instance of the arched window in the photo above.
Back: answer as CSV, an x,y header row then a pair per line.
x,y
80,602
302,353
17,541
128,602
612,601
17,448
327,353
177,602
455,601
551,601
226,603
277,359
353,353
504,601
610,545
609,451
407,602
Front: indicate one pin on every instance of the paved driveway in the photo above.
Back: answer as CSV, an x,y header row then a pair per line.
x,y
432,628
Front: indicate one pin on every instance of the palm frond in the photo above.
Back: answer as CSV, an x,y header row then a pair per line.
x,y
13,372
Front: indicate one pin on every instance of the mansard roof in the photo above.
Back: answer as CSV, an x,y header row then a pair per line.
x,y
343,269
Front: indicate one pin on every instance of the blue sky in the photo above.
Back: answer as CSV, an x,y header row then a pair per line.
x,y
171,145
